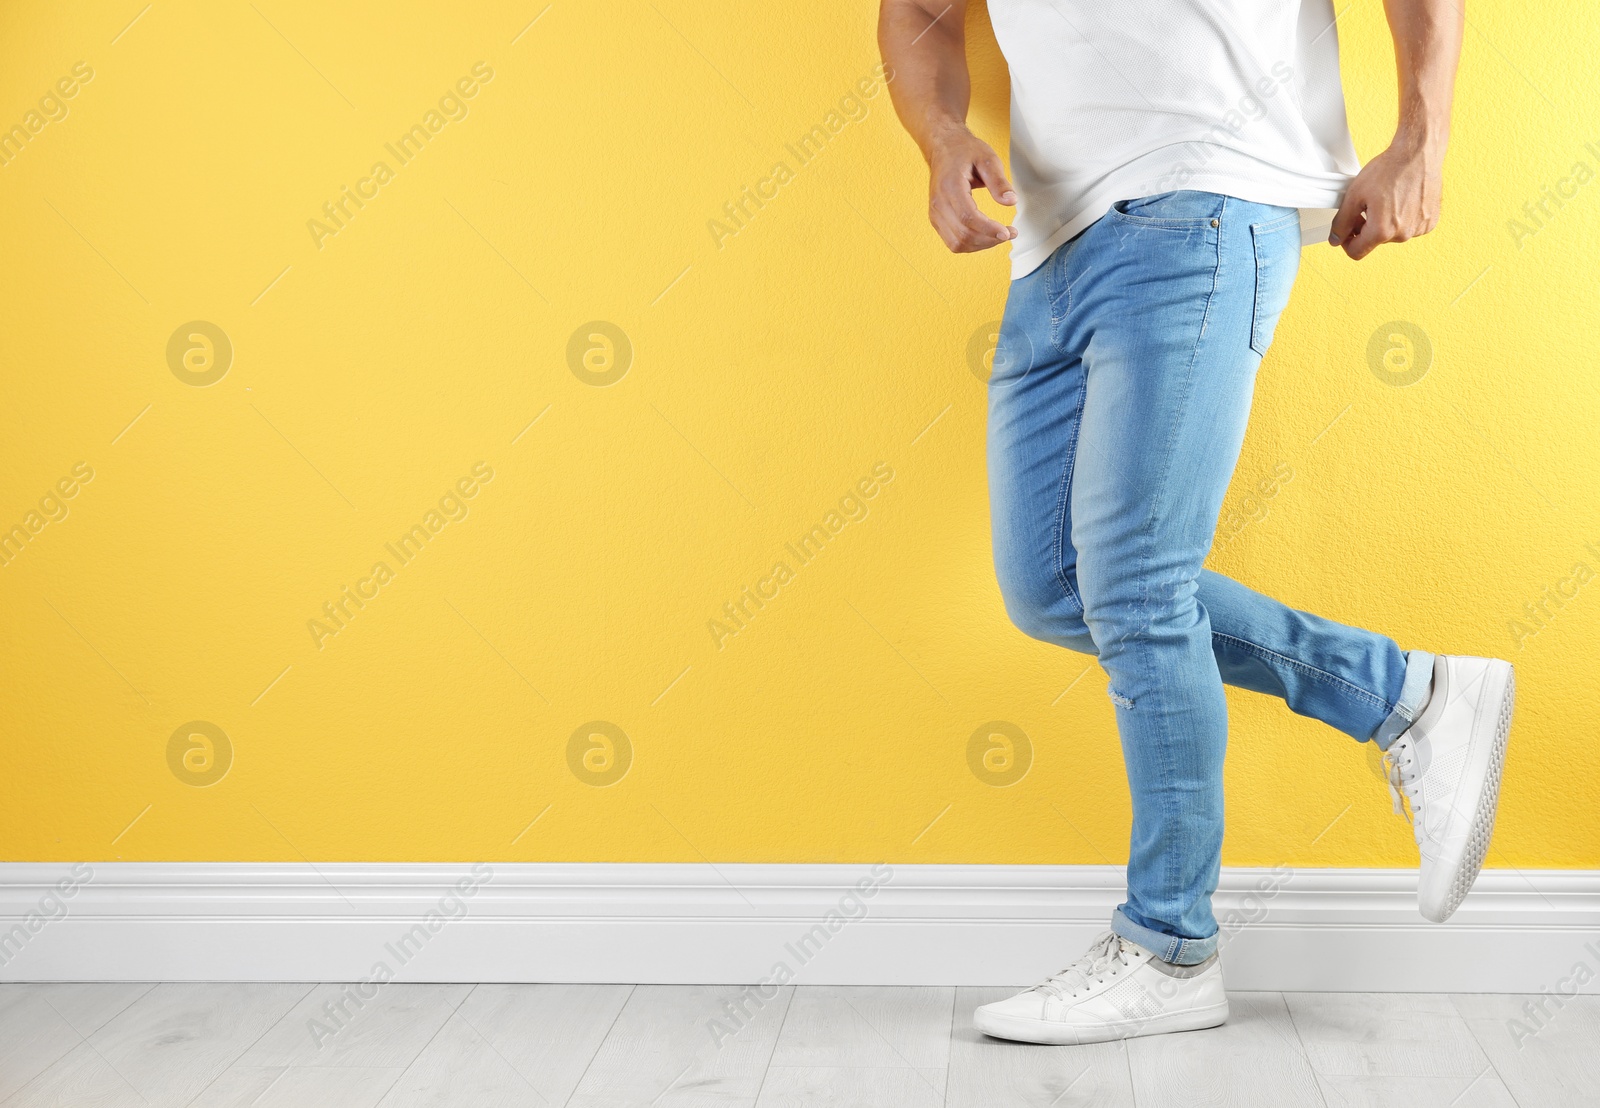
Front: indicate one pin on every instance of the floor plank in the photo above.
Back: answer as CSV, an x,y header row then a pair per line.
x,y
33,1035
298,1087
79,1079
984,1070
165,1047
850,1087
848,1045
42,1023
668,1049
887,1027
1483,1091
89,1007
1253,1059
333,1025
1385,1035
238,1086
512,1045
1549,1058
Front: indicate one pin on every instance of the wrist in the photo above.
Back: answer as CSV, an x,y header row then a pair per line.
x,y
1422,141
940,130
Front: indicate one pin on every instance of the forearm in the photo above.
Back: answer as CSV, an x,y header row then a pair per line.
x,y
1427,44
924,45
923,42
1395,197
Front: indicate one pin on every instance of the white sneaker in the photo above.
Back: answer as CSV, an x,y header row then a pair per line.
x,y
1447,766
1115,991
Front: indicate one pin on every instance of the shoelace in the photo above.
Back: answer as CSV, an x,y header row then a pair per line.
x,y
1399,767
1106,951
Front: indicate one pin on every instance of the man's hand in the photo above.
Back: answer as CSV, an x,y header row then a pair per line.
x,y
1395,197
958,163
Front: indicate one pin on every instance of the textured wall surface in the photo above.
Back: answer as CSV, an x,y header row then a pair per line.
x,y
253,339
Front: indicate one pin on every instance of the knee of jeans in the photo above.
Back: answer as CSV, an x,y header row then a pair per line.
x,y
1042,608
1119,617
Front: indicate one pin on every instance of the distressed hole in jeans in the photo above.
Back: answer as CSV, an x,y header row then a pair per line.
x,y
1117,698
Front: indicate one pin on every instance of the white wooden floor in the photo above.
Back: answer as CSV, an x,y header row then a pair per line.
x,y
652,1047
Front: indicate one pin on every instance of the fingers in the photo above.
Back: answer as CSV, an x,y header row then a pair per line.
x,y
1347,221
1379,226
1364,241
956,217
1361,225
960,163
993,176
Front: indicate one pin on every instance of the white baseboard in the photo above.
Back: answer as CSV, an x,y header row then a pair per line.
x,y
1288,929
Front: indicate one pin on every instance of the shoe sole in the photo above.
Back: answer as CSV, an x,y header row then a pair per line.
x,y
1021,1029
1477,847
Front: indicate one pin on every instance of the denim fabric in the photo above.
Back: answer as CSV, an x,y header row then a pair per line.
x,y
1117,406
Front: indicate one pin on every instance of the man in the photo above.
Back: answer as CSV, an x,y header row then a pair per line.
x,y
1170,155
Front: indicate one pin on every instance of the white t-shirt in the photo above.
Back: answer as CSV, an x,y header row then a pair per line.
x,y
1114,101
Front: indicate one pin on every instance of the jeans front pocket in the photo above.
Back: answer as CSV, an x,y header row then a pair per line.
x,y
1183,210
1277,251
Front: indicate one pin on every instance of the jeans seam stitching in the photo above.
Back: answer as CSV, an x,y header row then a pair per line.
x,y
1058,539
1255,295
1187,223
1058,285
1052,267
1274,224
1302,667
1060,289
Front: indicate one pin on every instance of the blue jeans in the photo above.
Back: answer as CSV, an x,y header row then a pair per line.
x,y
1117,406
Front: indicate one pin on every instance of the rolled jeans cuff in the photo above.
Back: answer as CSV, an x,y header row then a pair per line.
x,y
1413,692
1169,948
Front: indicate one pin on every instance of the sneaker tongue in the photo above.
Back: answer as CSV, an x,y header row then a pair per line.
x,y
1128,944
1105,947
1438,697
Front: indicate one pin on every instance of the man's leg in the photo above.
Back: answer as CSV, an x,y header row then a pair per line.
x,y
1164,312
1355,680
1146,303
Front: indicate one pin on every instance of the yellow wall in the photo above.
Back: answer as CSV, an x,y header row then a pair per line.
x,y
824,344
